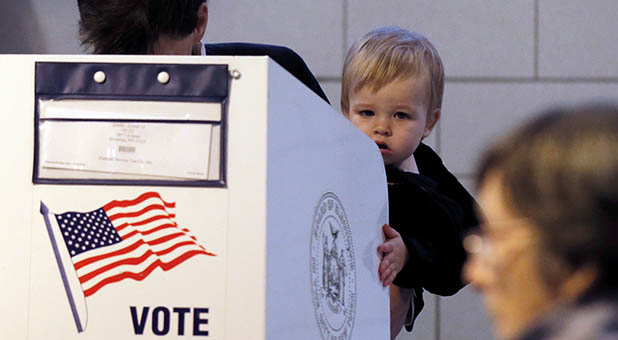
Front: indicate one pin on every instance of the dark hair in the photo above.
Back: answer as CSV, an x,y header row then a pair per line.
x,y
561,171
132,26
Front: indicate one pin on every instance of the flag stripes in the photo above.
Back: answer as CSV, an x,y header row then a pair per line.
x,y
126,239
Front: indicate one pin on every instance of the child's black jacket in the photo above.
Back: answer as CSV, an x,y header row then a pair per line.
x,y
431,211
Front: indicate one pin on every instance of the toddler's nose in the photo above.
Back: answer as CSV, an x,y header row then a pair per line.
x,y
382,128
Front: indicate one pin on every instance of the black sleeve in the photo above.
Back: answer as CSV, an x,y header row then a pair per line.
x,y
284,56
432,211
430,224
430,165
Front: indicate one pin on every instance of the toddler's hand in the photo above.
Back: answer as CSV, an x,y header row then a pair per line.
x,y
395,255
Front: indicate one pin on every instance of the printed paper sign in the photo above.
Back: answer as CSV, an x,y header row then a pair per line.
x,y
168,150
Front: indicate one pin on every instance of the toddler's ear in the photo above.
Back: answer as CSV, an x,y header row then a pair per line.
x,y
432,119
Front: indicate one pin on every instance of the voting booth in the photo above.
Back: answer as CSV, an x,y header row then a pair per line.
x,y
184,197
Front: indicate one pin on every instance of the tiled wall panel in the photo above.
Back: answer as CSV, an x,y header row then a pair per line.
x,y
333,92
463,317
18,33
425,324
578,38
476,38
314,29
60,35
475,114
469,182
39,27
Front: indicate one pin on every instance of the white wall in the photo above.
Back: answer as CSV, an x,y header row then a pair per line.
x,y
504,60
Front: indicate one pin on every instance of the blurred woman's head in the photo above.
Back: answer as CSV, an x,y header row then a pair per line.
x,y
549,192
142,26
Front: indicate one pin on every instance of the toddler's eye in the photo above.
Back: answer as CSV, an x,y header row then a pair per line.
x,y
366,113
402,115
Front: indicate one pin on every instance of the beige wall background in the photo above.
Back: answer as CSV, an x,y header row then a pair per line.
x,y
504,61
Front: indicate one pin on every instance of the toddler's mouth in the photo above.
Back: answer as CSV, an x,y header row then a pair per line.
x,y
382,145
384,150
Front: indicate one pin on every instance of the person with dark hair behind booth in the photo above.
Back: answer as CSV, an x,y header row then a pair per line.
x,y
170,28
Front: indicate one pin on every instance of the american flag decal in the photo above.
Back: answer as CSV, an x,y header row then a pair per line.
x,y
125,239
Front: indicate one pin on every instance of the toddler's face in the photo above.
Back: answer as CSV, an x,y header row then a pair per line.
x,y
395,117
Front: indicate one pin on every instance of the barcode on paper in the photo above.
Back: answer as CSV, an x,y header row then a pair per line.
x,y
126,149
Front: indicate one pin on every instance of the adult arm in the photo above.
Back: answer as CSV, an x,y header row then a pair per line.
x,y
284,56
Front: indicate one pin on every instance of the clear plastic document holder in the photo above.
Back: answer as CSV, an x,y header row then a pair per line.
x,y
130,124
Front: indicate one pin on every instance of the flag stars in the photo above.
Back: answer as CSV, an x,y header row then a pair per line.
x,y
87,231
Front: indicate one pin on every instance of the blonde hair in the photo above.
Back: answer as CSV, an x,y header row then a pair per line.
x,y
391,53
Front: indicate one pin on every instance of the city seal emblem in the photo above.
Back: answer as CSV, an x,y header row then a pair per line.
x,y
333,270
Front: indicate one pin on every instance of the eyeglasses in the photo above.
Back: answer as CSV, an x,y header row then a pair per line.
x,y
493,240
